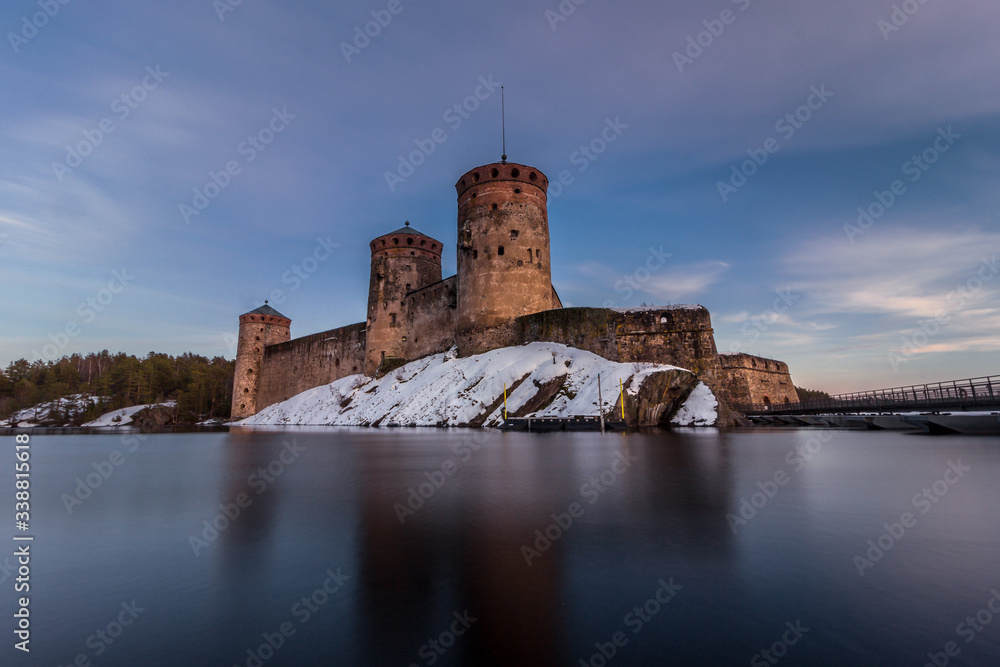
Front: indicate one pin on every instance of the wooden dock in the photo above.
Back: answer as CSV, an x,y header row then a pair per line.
x,y
544,424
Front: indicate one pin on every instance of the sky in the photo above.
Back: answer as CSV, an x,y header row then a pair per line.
x,y
821,176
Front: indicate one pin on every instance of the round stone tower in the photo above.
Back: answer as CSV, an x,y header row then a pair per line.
x,y
402,261
258,329
503,247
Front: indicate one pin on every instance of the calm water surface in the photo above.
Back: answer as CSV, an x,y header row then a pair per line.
x,y
402,547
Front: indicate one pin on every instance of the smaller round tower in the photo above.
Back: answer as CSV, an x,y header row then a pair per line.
x,y
258,329
503,246
402,261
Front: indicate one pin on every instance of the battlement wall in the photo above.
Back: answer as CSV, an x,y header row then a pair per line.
x,y
430,318
679,336
750,379
303,363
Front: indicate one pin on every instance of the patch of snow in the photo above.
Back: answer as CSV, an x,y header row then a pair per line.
x,y
123,417
41,413
442,390
700,408
646,309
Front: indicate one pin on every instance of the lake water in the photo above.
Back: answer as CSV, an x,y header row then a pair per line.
x,y
419,547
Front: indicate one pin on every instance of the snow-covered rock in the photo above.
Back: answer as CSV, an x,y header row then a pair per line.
x,y
541,379
45,413
123,417
700,408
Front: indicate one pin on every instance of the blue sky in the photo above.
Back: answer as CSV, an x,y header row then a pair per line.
x,y
117,115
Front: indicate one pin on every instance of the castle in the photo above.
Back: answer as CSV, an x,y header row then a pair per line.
x,y
501,296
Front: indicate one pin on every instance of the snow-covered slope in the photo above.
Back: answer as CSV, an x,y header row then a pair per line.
x,y
445,390
43,413
123,416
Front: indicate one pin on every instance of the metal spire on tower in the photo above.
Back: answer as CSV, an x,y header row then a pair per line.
x,y
503,125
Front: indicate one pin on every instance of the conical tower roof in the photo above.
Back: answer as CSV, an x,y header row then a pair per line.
x,y
265,310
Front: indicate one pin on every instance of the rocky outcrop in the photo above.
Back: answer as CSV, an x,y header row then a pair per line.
x,y
154,417
657,398
540,380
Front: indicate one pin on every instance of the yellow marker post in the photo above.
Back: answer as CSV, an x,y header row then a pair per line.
x,y
505,401
621,391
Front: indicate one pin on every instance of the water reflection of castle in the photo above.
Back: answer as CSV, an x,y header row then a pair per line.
x,y
463,550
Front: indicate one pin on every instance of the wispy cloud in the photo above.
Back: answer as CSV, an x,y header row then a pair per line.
x,y
896,272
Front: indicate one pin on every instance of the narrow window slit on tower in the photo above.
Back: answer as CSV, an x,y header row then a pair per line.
x,y
499,250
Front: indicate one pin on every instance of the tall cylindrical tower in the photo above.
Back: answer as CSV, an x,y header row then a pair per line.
x,y
402,261
503,246
258,329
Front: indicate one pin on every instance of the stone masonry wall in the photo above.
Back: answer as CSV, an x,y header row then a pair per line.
x,y
401,262
504,268
430,315
680,336
294,366
756,380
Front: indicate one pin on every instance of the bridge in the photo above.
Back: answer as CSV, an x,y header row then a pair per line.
x,y
973,394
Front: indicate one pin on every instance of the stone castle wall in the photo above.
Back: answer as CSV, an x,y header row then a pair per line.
x,y
291,367
681,336
677,336
755,380
430,319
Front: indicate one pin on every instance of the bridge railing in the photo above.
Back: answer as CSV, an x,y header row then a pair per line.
x,y
967,394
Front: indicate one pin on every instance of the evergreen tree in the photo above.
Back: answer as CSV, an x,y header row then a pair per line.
x,y
202,387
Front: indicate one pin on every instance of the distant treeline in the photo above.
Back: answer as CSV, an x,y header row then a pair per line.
x,y
203,388
810,394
